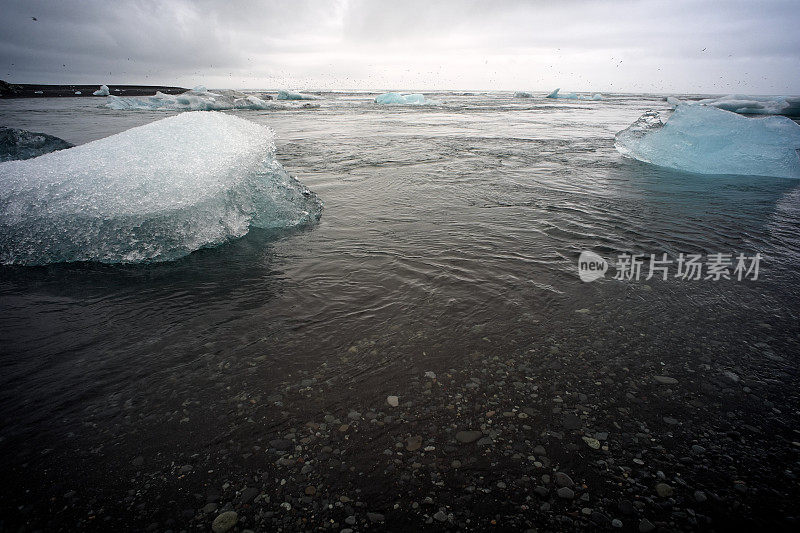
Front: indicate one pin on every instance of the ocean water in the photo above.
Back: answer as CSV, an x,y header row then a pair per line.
x,y
448,244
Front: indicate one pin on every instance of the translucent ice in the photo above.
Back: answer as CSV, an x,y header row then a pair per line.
x,y
199,99
152,193
102,91
397,98
555,94
573,96
757,105
522,94
21,144
707,140
289,95
751,105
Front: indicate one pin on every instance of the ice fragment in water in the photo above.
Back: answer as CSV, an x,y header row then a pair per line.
x,y
152,193
403,99
198,99
707,140
290,95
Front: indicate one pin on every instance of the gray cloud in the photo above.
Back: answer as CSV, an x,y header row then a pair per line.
x,y
647,45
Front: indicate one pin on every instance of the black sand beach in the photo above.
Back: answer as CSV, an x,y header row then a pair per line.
x,y
28,90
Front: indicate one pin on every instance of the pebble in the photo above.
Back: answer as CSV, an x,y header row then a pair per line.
x,y
664,490
566,493
592,443
645,526
393,401
563,480
224,522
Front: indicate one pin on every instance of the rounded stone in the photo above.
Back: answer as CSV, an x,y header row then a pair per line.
x,y
224,522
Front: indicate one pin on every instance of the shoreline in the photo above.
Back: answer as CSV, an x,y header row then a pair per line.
x,y
30,90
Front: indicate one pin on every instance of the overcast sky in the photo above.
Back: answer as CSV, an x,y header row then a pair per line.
x,y
626,45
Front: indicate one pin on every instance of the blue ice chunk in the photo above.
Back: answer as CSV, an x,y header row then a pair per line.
x,y
152,193
404,99
290,95
565,96
102,91
573,96
707,140
522,94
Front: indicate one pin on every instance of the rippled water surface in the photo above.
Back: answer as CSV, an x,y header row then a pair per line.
x,y
448,231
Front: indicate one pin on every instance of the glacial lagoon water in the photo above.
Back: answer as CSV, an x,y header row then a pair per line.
x,y
133,395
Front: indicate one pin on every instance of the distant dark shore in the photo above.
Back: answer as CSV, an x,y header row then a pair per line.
x,y
8,90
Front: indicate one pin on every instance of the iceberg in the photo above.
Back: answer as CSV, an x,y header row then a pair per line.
x,y
102,91
403,99
707,140
757,105
21,144
522,94
573,96
750,105
198,99
152,193
289,95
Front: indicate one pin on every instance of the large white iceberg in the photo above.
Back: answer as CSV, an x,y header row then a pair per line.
x,y
198,99
152,193
290,95
707,140
403,99
102,91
